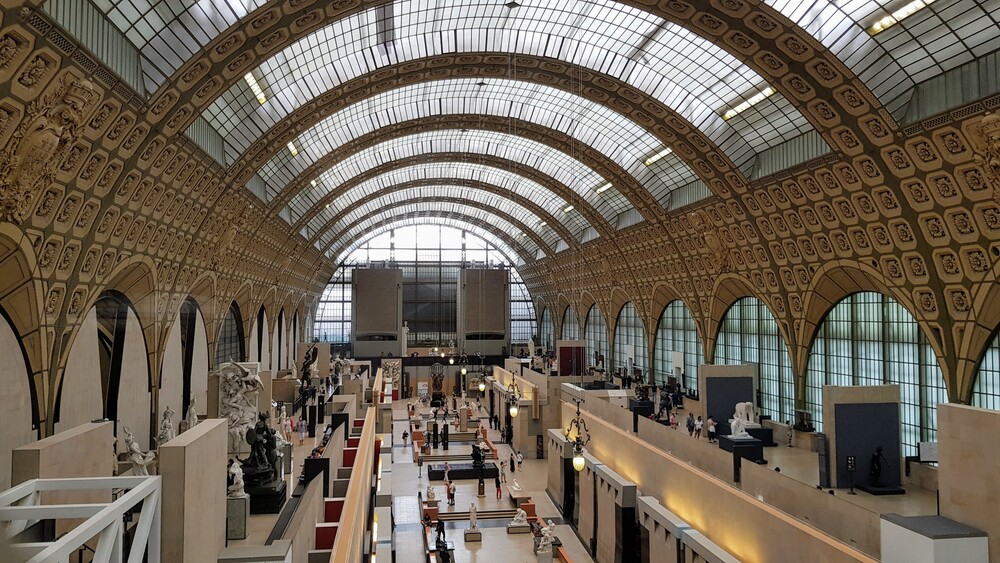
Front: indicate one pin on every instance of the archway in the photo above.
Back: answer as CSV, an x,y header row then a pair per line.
x,y
231,345
16,395
185,363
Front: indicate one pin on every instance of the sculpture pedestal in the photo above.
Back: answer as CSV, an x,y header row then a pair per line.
x,y
518,528
237,516
747,448
267,498
472,535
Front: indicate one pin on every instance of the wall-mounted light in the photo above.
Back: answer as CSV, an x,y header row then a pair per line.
x,y
515,395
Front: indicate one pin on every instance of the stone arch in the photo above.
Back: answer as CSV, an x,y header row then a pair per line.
x,y
229,334
975,335
185,365
21,306
727,290
17,394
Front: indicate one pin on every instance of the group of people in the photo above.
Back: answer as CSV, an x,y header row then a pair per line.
x,y
695,426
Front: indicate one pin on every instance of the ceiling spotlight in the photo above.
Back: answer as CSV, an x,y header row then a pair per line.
x,y
255,88
292,149
897,16
542,223
567,209
658,156
755,99
313,182
604,188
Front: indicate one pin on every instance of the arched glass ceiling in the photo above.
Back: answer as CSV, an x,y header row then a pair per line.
x,y
465,217
446,195
937,38
447,174
549,161
486,238
623,141
684,71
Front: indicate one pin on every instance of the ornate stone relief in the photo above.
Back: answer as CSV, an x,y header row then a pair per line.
x,y
28,161
711,240
988,143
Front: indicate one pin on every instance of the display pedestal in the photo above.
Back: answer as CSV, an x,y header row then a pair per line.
x,y
473,535
267,498
748,448
765,435
878,490
286,459
237,516
518,528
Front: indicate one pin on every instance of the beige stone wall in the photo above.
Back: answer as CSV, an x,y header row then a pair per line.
x,y
193,468
834,395
969,470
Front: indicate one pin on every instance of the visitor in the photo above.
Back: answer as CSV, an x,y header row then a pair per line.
x,y
301,427
451,493
512,461
673,421
420,465
441,535
698,424
520,460
503,471
690,424
499,492
447,470
406,434
711,429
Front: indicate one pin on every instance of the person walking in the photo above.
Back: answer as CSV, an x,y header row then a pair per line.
x,y
420,465
690,424
499,492
503,471
698,424
451,493
520,460
406,434
711,429
512,461
301,427
673,421
447,470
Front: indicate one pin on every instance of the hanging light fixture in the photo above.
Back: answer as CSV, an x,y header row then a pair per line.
x,y
515,395
580,425
451,361
482,385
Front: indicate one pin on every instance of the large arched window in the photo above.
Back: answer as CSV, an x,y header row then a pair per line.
x,y
596,334
677,335
570,324
547,335
748,334
630,339
231,344
986,391
870,339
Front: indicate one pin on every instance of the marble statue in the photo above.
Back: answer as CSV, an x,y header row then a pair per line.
x,y
520,519
516,486
286,425
192,414
737,427
235,488
166,427
745,412
472,516
545,541
404,337
430,492
139,460
238,393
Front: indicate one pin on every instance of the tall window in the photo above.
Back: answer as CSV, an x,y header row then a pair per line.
x,y
548,332
430,257
596,334
749,334
570,324
333,314
231,342
677,334
870,339
630,336
986,392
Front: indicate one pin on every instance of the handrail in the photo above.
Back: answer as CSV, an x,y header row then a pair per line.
x,y
348,547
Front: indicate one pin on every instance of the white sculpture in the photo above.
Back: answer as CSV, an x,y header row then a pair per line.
x,y
285,424
404,337
738,427
745,412
520,519
545,541
430,492
236,473
516,486
139,460
472,516
192,414
238,393
166,428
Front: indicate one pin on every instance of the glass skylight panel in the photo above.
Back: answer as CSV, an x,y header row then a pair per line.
x,y
544,159
479,238
686,72
943,35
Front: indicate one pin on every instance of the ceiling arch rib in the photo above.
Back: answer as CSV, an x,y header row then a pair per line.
x,y
551,162
506,200
472,175
611,134
490,167
681,69
501,241
534,225
517,237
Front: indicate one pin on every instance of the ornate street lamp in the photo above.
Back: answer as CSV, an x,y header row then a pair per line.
x,y
515,395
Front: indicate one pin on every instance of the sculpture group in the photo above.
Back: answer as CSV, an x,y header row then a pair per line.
x,y
238,393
